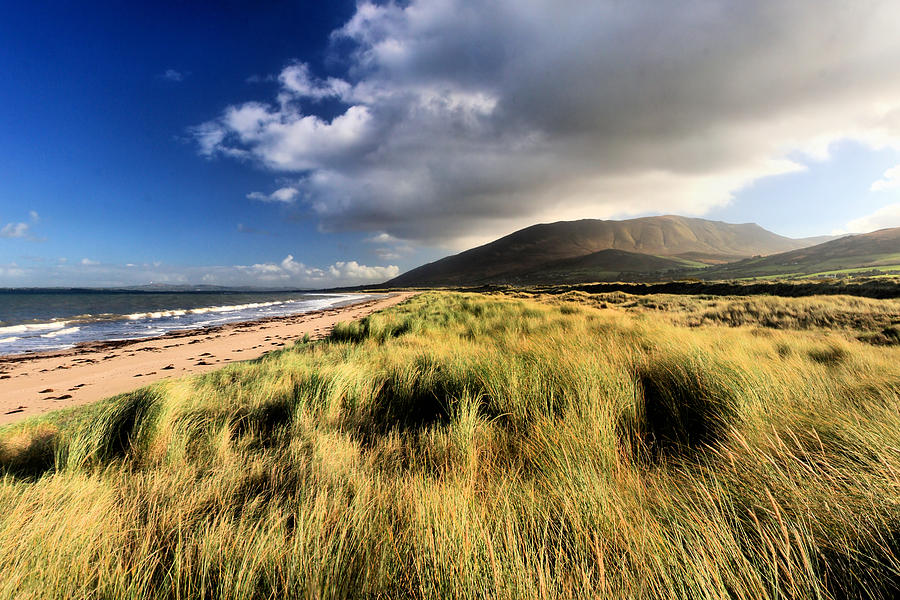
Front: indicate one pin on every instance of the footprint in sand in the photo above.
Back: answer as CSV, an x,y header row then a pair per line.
x,y
15,410
47,391
168,368
63,397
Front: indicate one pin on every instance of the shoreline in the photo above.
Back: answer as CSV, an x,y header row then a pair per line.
x,y
40,382
102,345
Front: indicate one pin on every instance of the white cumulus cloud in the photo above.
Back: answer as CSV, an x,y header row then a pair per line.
x,y
21,230
890,180
884,217
286,195
297,80
460,121
15,230
292,272
353,271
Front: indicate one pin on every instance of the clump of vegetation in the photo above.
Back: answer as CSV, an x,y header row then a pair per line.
x,y
29,451
466,446
685,403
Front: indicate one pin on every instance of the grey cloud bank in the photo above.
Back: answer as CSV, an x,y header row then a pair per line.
x,y
466,120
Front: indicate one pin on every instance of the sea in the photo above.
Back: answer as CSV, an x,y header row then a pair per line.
x,y
43,320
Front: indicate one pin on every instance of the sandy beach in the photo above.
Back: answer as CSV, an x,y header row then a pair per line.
x,y
37,383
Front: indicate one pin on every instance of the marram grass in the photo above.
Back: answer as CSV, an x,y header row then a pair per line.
x,y
461,446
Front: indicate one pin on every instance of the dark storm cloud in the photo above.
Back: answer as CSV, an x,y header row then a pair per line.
x,y
467,119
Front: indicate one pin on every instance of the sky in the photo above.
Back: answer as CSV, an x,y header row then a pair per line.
x,y
313,144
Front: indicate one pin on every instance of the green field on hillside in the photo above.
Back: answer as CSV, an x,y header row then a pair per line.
x,y
887,269
474,446
768,267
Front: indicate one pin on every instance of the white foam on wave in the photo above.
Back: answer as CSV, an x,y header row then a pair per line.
x,y
204,309
8,340
26,327
68,331
159,314
238,307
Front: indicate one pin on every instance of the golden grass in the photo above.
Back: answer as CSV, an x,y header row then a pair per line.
x,y
471,447
874,321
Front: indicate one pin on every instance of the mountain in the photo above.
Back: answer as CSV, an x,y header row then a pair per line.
x,y
604,265
649,244
852,253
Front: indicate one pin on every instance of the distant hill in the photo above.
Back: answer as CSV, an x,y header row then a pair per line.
x,y
879,249
596,250
819,239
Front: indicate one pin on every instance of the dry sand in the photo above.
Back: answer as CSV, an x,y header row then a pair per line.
x,y
31,384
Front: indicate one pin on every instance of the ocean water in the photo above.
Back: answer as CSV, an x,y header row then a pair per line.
x,y
36,321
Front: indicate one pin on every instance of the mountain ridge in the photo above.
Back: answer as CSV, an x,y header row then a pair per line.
x,y
665,242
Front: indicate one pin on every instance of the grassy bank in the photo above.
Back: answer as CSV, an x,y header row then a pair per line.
x,y
873,321
466,446
872,287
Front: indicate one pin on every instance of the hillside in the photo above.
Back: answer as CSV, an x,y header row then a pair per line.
x,y
604,265
685,242
855,253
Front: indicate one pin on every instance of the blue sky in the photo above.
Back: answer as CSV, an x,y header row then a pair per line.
x,y
328,143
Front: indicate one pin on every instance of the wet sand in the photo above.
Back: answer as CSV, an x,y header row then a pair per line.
x,y
32,384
